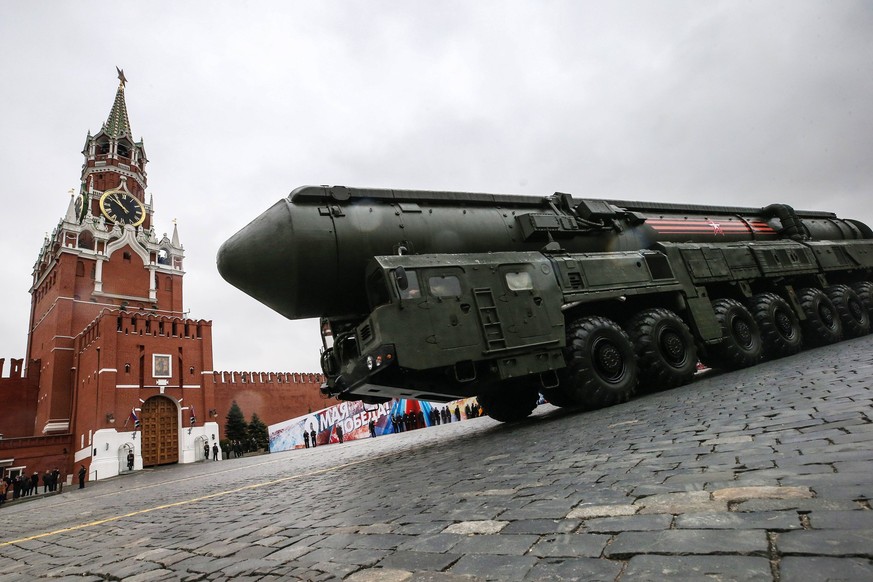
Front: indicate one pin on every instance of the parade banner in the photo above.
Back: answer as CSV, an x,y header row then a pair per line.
x,y
349,421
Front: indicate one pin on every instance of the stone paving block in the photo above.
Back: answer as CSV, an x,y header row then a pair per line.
x,y
476,527
256,566
589,511
378,541
289,553
687,542
827,542
547,509
570,546
380,575
541,526
442,577
493,567
860,519
495,544
402,560
769,520
628,523
573,570
803,505
734,568
438,543
822,568
676,503
152,576
707,477
734,494
846,492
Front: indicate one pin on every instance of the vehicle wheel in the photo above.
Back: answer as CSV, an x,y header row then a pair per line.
x,y
741,346
850,309
822,325
779,325
666,354
601,367
864,289
558,397
510,401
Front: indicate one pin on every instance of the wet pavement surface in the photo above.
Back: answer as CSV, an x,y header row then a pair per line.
x,y
761,474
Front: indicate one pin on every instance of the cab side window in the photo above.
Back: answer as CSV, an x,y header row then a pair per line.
x,y
413,290
444,286
519,281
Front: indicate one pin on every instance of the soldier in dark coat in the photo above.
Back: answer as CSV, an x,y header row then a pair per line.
x,y
312,436
82,473
372,426
305,438
339,433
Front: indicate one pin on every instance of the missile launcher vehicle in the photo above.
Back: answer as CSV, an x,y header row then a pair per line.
x,y
445,295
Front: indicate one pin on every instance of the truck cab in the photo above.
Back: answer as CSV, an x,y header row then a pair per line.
x,y
483,317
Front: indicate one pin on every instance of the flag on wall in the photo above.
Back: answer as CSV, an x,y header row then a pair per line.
x,y
193,416
134,418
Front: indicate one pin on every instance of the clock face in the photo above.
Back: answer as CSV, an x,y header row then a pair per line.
x,y
122,208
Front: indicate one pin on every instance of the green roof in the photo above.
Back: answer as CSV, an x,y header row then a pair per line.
x,y
118,124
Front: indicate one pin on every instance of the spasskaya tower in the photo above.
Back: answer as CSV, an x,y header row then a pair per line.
x,y
103,255
114,365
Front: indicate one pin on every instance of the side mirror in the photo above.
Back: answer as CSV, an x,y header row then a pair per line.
x,y
401,278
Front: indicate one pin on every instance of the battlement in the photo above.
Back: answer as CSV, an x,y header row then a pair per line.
x,y
16,369
144,323
266,378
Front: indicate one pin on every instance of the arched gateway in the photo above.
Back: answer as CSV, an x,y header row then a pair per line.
x,y
160,431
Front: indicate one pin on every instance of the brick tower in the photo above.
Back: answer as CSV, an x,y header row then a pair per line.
x,y
102,255
114,365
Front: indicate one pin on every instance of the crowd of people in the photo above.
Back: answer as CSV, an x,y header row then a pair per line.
x,y
26,485
414,419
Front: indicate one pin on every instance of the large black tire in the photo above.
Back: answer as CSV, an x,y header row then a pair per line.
x,y
778,324
822,325
558,397
864,289
850,309
741,345
666,354
601,365
511,401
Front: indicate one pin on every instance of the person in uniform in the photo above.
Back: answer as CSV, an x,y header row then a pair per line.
x,y
312,437
82,473
305,439
130,461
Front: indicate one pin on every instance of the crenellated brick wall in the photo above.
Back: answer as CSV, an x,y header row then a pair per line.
x,y
273,396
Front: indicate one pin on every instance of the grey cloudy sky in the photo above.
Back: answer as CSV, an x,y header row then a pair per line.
x,y
745,103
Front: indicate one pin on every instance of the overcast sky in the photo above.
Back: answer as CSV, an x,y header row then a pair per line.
x,y
237,103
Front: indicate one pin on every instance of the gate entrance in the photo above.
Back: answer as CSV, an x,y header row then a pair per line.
x,y
160,432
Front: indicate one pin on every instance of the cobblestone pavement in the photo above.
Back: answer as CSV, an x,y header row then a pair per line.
x,y
762,474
